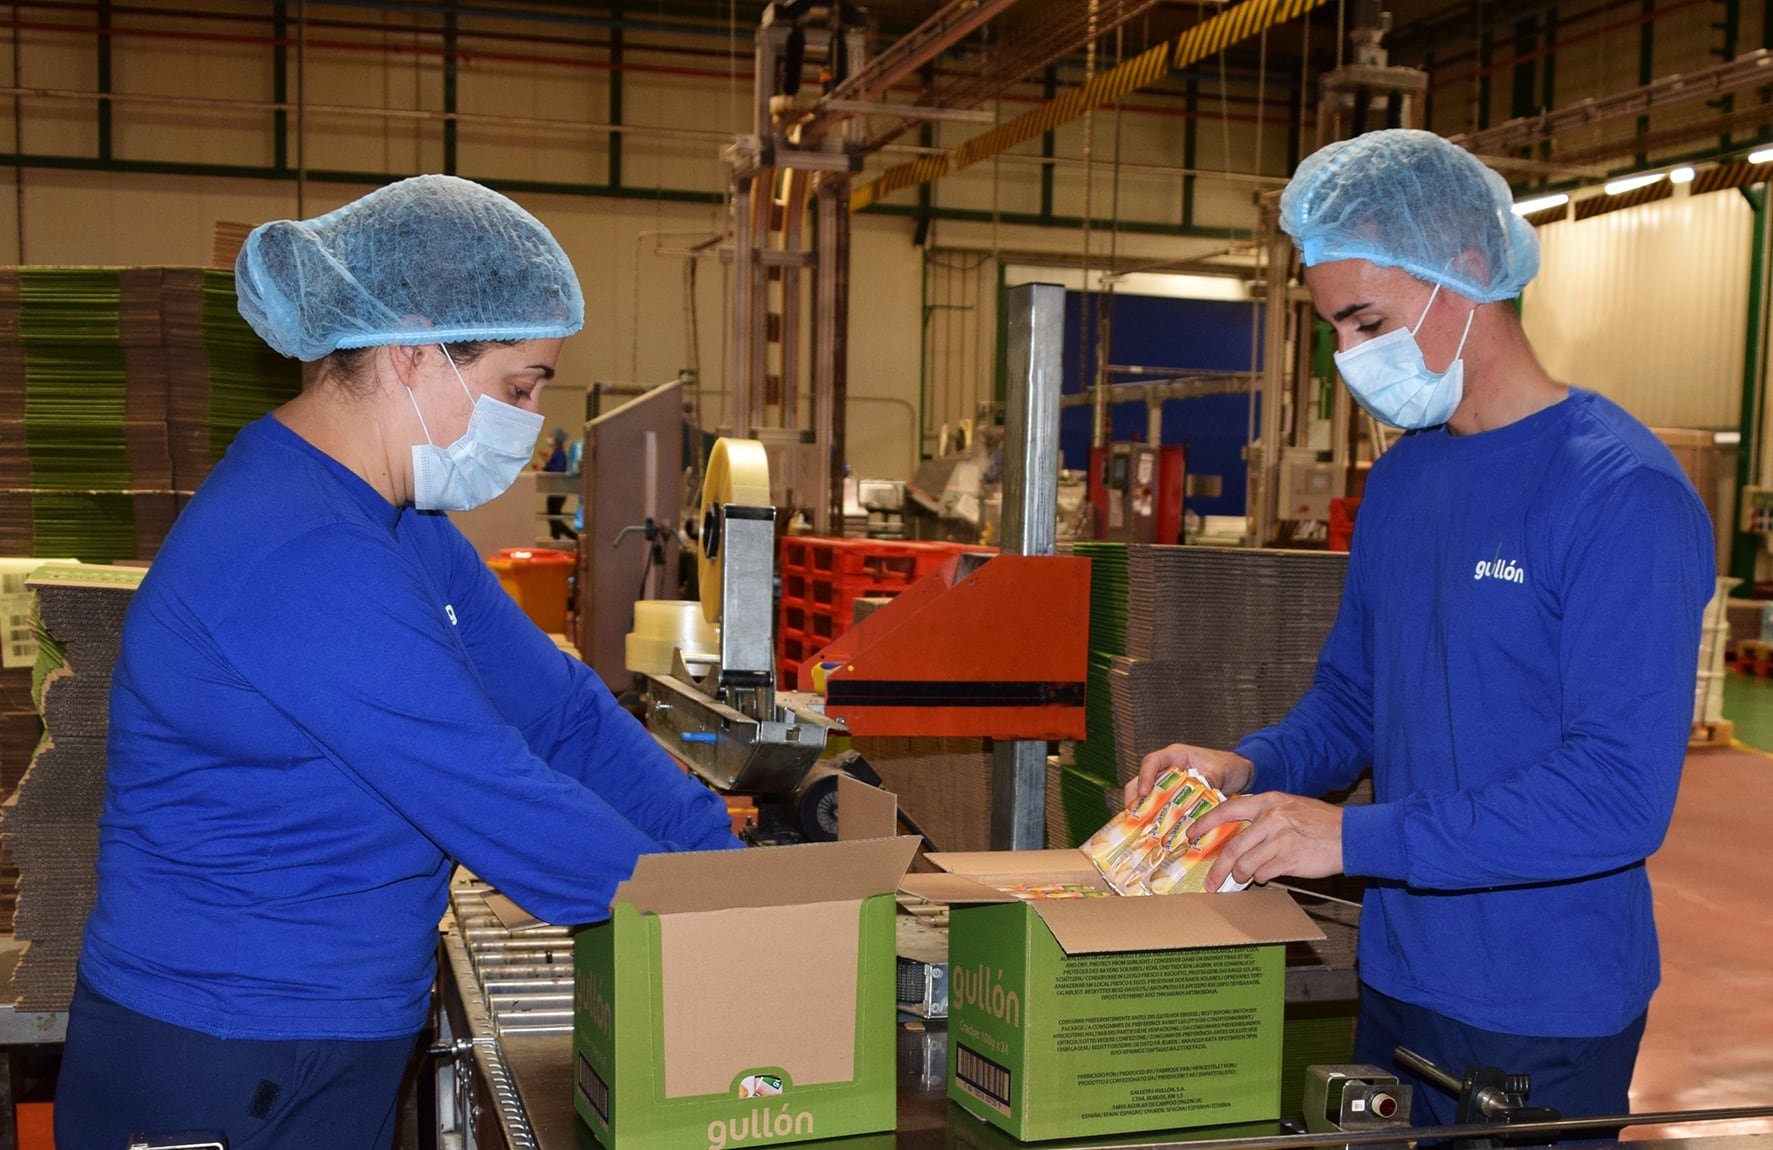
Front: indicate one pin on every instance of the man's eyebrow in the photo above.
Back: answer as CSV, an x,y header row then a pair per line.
x,y
547,372
1348,311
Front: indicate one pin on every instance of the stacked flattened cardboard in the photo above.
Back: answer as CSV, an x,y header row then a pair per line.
x,y
20,729
51,821
1078,787
1220,642
119,387
20,725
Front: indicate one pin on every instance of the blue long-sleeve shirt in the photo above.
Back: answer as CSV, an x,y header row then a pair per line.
x,y
1515,656
322,700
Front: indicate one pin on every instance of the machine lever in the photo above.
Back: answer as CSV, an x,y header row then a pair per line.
x,y
1485,1094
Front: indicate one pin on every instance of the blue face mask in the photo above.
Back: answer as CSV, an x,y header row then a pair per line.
x,y
481,465
1388,377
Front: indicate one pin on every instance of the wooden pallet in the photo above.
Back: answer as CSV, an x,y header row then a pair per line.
x,y
1753,657
1717,733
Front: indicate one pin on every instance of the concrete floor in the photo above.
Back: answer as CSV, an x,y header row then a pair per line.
x,y
1709,1041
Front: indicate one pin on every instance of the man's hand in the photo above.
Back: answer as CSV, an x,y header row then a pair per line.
x,y
1287,835
1228,771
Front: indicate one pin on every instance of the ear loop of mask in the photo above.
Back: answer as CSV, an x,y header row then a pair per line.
x,y
449,359
1469,316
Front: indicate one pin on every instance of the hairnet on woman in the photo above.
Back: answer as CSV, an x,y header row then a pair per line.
x,y
325,700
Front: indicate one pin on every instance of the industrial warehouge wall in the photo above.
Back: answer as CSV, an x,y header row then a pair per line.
x,y
1649,306
629,250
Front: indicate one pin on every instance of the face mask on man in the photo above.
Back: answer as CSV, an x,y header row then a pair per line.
x,y
1389,378
481,465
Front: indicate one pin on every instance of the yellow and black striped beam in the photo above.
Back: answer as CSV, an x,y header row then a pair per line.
x,y
1727,176
909,175
1250,18
1143,70
1600,205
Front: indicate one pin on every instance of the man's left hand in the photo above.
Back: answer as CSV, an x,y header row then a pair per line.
x,y
1287,835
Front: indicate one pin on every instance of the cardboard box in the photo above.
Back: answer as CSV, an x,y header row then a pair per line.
x,y
1093,1016
740,998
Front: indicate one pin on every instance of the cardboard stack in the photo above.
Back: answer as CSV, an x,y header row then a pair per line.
x,y
1220,642
51,821
20,730
119,388
943,785
1079,786
20,726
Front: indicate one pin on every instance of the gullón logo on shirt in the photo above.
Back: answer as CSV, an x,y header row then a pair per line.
x,y
1506,570
450,610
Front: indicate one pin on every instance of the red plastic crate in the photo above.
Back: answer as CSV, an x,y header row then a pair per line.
x,y
823,577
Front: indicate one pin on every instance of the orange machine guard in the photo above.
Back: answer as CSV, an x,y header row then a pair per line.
x,y
999,653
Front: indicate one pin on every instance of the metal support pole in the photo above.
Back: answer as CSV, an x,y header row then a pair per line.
x,y
1030,524
794,215
763,203
1266,455
745,333
831,307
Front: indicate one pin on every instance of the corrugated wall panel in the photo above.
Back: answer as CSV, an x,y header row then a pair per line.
x,y
1649,306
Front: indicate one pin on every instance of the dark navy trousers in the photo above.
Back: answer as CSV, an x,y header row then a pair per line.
x,y
1578,1077
124,1073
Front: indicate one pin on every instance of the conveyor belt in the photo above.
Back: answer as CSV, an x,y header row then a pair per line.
x,y
508,997
515,1001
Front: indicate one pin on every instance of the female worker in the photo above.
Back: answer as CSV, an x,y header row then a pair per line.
x,y
325,700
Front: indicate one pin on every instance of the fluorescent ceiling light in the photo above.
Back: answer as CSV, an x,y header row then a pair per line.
x,y
1761,156
1540,203
1632,183
1681,176
1183,286
1170,285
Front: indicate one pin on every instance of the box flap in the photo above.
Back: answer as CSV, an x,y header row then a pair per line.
x,y
951,888
1171,921
865,812
1013,866
767,876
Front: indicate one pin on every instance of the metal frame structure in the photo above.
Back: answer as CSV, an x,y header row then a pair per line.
x,y
1030,507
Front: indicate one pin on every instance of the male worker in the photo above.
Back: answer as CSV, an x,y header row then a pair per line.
x,y
1514,656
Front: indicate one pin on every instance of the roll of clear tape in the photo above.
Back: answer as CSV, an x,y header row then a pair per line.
x,y
738,472
661,627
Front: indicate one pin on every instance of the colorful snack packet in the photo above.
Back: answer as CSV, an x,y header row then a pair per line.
x,y
1147,848
1028,891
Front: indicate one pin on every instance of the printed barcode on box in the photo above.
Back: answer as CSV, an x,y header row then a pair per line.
x,y
982,1078
593,1088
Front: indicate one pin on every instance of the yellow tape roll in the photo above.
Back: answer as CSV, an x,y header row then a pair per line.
x,y
738,472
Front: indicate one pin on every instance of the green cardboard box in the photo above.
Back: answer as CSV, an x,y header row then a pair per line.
x,y
740,998
1078,1017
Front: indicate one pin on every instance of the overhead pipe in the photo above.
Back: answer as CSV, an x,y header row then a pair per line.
x,y
575,63
949,25
1461,78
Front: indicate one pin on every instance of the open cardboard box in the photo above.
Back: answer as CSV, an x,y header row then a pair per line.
x,y
737,998
1090,1016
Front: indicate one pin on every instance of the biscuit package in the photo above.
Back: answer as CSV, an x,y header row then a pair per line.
x,y
1147,848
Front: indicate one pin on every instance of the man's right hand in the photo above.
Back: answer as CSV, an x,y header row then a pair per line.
x,y
1227,770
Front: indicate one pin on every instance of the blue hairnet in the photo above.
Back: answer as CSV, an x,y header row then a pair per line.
x,y
432,259
1408,199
